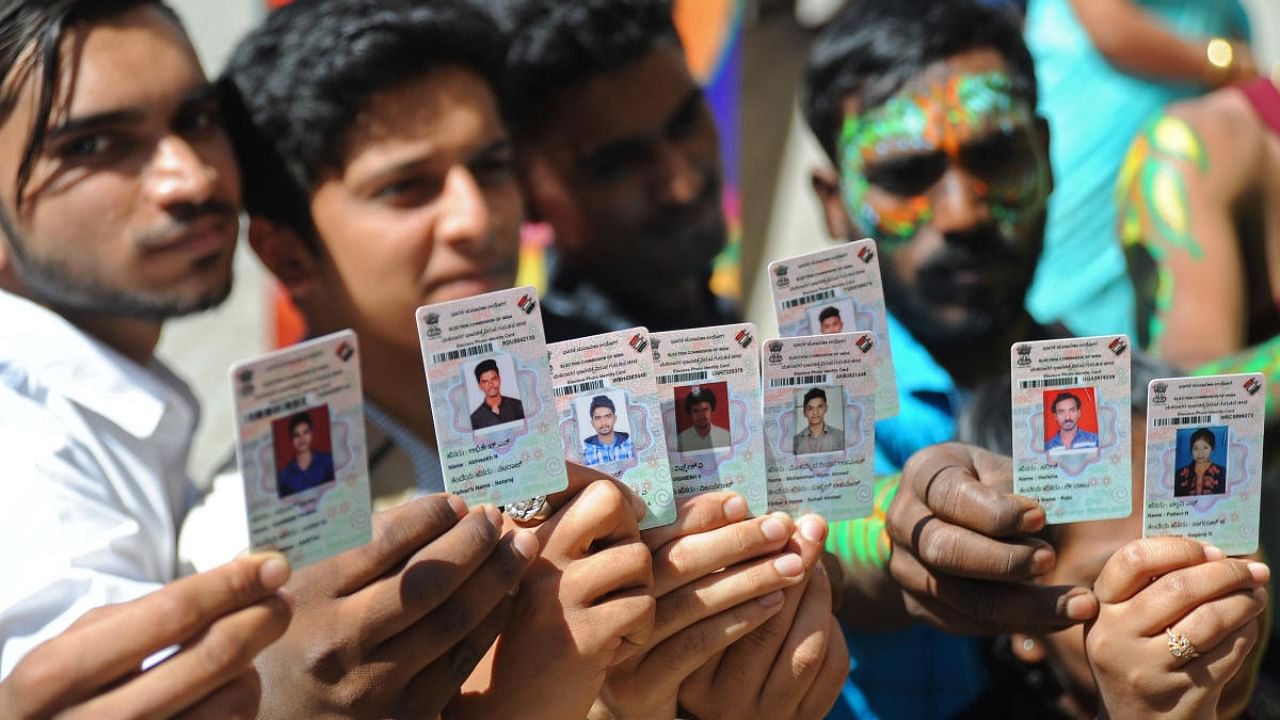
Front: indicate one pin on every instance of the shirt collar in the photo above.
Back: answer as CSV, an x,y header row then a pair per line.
x,y
43,352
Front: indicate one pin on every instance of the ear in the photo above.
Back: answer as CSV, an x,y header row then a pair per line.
x,y
548,200
826,185
294,263
1030,649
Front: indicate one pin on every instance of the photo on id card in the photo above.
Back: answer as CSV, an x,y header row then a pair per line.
x,y
301,449
610,418
1204,459
709,388
819,424
833,291
490,385
1071,426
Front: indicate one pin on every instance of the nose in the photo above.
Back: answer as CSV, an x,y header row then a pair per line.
x,y
959,202
179,175
678,179
465,214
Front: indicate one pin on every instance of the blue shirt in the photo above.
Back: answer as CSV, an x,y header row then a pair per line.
x,y
595,453
293,479
917,672
1084,439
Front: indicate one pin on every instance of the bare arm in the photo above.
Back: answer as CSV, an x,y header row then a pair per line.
x,y
1137,42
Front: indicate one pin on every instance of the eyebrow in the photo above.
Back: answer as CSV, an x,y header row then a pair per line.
x,y
123,116
683,112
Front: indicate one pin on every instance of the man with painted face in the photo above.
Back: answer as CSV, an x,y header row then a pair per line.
x,y
618,152
926,110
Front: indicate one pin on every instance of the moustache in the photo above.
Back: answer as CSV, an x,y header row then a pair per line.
x,y
183,217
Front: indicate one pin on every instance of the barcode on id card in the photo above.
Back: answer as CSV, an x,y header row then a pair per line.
x,y
1049,382
799,380
581,387
683,377
461,353
276,409
1180,421
810,298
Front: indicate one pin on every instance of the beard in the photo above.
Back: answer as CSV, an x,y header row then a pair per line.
x,y
54,286
989,309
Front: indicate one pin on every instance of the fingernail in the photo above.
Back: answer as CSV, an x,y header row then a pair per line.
x,y
492,514
274,572
773,529
1082,607
735,508
789,565
771,600
526,544
813,529
458,505
1032,520
1260,572
1212,552
1042,561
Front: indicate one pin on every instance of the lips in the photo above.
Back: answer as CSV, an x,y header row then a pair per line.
x,y
206,236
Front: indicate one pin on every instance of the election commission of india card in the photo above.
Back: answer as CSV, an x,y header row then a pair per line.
x,y
838,290
610,419
1204,459
301,449
490,386
1071,433
709,390
819,424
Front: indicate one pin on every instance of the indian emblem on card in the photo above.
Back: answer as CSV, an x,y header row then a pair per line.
x,y
639,343
1024,355
865,343
781,273
866,254
1252,386
1158,391
246,382
1118,346
775,352
527,303
743,338
433,325
653,343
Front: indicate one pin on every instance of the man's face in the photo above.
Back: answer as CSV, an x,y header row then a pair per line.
x,y
490,383
603,419
831,325
951,177
1067,413
302,438
131,207
700,413
627,170
815,411
426,208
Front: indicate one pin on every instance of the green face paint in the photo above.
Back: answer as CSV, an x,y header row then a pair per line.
x,y
943,119
1155,213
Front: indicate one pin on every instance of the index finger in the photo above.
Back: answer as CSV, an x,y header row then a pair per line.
x,y
972,488
1132,567
61,673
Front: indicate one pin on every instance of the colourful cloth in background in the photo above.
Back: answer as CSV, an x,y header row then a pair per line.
x,y
1094,112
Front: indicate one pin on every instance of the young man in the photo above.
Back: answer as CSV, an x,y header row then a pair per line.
x,y
830,322
607,445
817,437
617,151
308,467
926,111
379,178
1066,411
702,433
496,408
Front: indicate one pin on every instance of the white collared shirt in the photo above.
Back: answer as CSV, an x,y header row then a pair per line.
x,y
93,478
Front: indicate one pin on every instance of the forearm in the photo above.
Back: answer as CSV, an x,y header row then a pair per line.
x,y
1137,42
